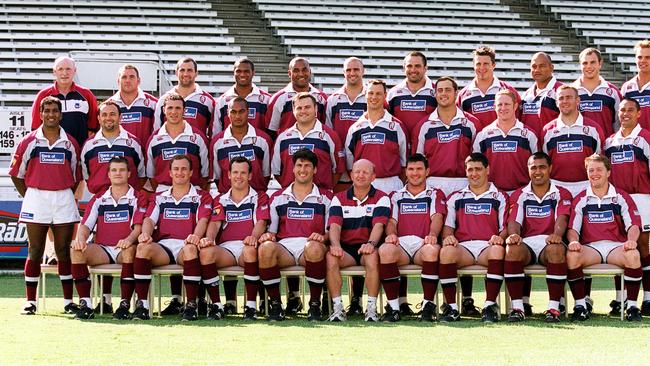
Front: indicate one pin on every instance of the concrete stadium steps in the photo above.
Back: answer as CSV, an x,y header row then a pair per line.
x,y
382,32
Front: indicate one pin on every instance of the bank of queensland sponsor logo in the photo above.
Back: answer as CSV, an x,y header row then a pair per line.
x,y
169,153
599,217
644,100
239,216
373,138
622,157
248,154
112,217
106,156
177,214
478,208
51,157
27,215
504,146
296,213
131,117
350,114
190,112
448,136
293,148
413,105
569,146
482,107
538,211
412,208
251,112
532,107
591,105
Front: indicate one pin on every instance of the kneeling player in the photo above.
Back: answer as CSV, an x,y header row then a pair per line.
x,y
296,235
539,213
603,228
239,218
180,217
474,233
357,219
115,216
412,237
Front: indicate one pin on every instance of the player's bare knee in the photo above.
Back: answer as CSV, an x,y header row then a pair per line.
x,y
555,253
314,251
448,254
371,261
249,253
496,252
332,263
143,251
388,253
573,260
127,254
266,252
77,256
206,257
632,258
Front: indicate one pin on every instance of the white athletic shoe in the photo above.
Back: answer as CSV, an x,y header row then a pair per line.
x,y
338,314
371,313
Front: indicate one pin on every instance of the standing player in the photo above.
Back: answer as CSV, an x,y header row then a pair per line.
x,y
474,233
347,104
412,237
137,108
241,138
629,152
569,139
296,235
258,99
176,137
507,144
446,138
79,105
478,97
308,133
110,141
45,171
378,137
175,221
239,218
115,217
603,228
357,218
598,98
538,105
415,97
280,116
638,87
537,221
199,105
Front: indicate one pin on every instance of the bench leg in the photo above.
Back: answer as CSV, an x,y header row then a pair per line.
x,y
44,291
622,300
100,300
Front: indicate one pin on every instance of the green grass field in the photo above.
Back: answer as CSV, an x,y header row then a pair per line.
x,y
56,339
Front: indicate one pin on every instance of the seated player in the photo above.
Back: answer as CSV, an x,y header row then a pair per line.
x,y
474,233
412,237
115,216
176,219
296,235
603,228
537,221
357,219
239,218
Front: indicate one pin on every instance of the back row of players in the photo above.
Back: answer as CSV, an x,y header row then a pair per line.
x,y
445,136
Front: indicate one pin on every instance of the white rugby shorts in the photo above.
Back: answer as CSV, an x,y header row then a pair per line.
x,y
235,247
475,247
411,244
173,247
447,185
49,207
536,244
604,247
295,246
112,251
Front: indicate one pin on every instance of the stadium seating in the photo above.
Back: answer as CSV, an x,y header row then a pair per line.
x,y
611,25
382,32
34,33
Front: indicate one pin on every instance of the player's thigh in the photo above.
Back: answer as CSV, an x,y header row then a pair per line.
x,y
624,258
346,260
587,256
519,252
157,255
284,257
95,255
224,258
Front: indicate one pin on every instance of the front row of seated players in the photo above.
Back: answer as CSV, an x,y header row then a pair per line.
x,y
475,231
